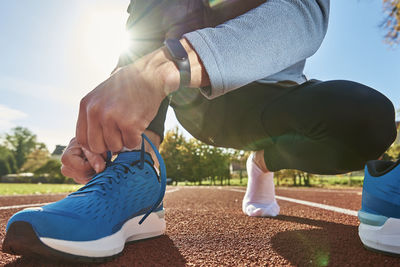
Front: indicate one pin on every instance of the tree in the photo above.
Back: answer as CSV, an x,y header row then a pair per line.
x,y
203,161
171,150
4,167
36,159
193,164
217,160
7,161
393,153
21,142
299,177
279,175
192,160
239,157
392,21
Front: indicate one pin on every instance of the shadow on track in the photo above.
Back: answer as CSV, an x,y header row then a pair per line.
x,y
153,252
332,244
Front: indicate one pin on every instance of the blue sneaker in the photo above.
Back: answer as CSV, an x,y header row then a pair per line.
x,y
121,204
380,211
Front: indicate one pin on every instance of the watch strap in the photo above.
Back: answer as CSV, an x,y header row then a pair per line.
x,y
181,59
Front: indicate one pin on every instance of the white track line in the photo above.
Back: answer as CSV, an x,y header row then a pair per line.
x,y
42,204
311,204
173,190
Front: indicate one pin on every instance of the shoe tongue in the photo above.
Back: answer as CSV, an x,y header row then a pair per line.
x,y
131,156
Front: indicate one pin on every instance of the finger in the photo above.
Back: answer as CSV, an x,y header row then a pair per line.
x,y
74,159
72,143
131,137
81,125
112,138
78,176
96,161
73,148
68,172
95,137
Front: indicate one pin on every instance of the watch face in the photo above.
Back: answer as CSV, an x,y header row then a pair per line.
x,y
176,49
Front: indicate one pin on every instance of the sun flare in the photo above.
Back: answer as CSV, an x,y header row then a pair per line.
x,y
104,37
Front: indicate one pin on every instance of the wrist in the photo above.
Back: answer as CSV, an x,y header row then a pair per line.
x,y
162,71
169,73
176,72
159,71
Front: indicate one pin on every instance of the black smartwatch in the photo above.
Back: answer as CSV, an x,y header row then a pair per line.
x,y
181,59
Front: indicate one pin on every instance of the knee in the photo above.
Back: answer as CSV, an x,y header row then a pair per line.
x,y
376,116
359,116
382,125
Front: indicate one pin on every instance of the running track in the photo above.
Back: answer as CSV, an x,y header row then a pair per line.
x,y
205,227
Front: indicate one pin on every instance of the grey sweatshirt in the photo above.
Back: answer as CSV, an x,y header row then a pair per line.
x,y
269,43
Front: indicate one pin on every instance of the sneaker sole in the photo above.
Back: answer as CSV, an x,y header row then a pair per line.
x,y
21,239
378,234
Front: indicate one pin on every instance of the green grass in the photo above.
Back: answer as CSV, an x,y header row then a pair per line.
x,y
320,181
30,189
329,181
337,181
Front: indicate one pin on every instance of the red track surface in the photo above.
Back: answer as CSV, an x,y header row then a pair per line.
x,y
205,226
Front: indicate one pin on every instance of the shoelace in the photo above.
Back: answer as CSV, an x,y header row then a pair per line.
x,y
99,184
102,181
163,175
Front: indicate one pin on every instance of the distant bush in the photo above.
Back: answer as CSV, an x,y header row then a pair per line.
x,y
50,172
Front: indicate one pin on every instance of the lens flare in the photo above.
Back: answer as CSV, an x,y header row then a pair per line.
x,y
103,38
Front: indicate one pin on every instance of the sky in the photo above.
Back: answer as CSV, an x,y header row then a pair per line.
x,y
54,52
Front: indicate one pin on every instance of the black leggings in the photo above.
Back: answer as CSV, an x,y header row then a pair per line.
x,y
319,127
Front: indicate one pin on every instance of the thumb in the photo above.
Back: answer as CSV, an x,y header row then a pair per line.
x,y
95,160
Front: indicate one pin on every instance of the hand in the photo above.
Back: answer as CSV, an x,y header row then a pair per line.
x,y
117,112
80,163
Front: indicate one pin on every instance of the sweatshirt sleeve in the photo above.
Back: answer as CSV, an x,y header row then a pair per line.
x,y
259,43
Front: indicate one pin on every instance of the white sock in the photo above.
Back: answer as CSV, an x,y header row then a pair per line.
x,y
259,199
